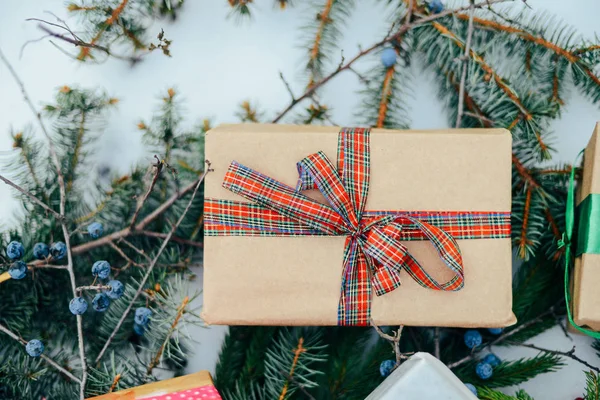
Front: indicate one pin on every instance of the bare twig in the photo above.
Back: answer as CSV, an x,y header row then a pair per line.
x,y
465,62
287,86
480,117
134,248
570,353
394,340
401,31
49,266
31,196
43,356
360,76
122,254
93,287
409,12
152,264
158,168
80,43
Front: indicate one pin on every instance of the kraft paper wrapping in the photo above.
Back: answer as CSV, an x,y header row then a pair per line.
x,y
297,280
586,275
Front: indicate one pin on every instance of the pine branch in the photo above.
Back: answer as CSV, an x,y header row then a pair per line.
x,y
592,386
401,31
61,183
152,264
50,361
570,353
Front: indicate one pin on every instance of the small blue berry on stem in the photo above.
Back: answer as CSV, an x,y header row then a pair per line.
x,y
101,269
472,338
484,370
116,290
58,250
139,329
495,331
435,6
142,316
41,251
388,57
34,348
472,388
78,305
386,367
15,250
95,230
492,359
101,302
17,270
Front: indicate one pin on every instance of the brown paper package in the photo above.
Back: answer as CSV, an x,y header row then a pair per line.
x,y
586,275
296,280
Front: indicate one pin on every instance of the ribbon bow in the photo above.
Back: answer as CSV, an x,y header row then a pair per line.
x,y
373,252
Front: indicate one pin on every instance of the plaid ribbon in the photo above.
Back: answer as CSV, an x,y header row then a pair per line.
x,y
373,253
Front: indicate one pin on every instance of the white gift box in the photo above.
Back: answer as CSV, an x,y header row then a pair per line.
x,y
422,377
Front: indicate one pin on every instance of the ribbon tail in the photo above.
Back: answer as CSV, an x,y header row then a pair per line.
x,y
355,300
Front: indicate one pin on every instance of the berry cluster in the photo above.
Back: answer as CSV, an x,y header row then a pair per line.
x,y
15,251
57,251
485,368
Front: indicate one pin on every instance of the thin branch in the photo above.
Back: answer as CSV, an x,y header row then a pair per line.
x,y
152,264
394,340
49,266
401,31
410,11
43,356
463,77
480,117
158,168
134,248
93,287
287,86
122,254
570,353
31,196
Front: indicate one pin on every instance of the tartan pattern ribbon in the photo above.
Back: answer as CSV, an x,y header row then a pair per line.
x,y
373,252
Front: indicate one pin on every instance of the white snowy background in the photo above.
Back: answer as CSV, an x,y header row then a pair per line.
x,y
216,64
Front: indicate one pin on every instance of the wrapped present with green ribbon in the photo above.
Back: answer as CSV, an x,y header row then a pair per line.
x,y
583,242
309,225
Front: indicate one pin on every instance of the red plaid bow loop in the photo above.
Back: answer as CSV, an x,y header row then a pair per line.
x,y
373,254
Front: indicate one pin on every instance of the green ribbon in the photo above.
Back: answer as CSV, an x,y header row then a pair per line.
x,y
593,211
588,233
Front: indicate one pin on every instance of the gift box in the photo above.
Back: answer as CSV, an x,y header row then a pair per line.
x,y
422,377
313,225
586,273
197,386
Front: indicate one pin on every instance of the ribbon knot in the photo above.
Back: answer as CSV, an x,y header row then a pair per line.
x,y
373,255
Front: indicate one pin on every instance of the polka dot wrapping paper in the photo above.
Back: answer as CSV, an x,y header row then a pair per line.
x,y
195,386
207,392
